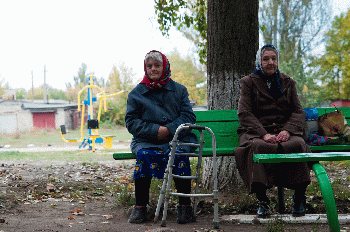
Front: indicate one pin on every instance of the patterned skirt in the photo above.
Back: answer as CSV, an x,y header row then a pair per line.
x,y
152,163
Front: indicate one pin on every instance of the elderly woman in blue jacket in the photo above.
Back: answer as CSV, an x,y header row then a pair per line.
x,y
155,108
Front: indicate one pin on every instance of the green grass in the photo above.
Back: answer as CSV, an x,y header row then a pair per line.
x,y
81,156
44,138
40,137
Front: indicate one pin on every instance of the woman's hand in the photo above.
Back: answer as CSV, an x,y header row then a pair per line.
x,y
163,133
269,138
283,136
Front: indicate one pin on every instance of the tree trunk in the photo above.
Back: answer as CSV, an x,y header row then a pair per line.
x,y
233,34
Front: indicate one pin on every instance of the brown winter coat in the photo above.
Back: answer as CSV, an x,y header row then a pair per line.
x,y
259,114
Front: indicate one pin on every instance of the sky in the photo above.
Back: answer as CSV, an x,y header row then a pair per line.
x,y
61,35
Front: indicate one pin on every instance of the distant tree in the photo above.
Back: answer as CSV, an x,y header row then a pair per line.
x,y
184,71
296,28
332,69
21,93
52,93
38,93
120,79
81,80
56,94
72,92
82,77
3,86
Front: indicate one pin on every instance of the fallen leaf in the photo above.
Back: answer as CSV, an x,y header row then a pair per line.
x,y
71,218
50,187
108,216
77,212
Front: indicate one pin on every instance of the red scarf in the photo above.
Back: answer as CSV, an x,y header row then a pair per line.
x,y
163,79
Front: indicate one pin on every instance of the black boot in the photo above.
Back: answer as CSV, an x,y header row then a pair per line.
x,y
263,209
299,206
138,214
184,214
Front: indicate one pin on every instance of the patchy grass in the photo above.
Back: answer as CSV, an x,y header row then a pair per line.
x,y
84,156
43,137
276,225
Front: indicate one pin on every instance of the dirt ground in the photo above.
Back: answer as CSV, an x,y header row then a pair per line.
x,y
75,196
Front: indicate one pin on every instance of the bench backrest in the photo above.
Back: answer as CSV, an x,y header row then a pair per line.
x,y
224,124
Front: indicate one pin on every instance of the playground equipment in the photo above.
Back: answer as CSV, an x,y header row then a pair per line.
x,y
92,123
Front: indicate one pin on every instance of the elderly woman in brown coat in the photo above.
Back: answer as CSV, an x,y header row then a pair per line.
x,y
271,121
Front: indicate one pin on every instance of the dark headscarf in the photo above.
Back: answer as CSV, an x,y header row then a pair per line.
x,y
275,87
163,79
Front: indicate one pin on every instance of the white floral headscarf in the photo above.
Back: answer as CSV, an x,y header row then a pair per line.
x,y
258,63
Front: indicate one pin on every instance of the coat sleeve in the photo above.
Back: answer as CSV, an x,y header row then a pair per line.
x,y
186,114
247,120
295,123
134,122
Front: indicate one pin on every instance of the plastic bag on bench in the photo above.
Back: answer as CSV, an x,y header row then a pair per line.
x,y
334,126
311,124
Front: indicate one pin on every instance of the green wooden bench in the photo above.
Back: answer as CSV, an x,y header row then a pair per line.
x,y
224,124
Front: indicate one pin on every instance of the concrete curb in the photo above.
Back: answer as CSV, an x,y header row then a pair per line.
x,y
309,218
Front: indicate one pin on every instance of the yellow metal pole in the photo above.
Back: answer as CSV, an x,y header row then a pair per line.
x,y
82,123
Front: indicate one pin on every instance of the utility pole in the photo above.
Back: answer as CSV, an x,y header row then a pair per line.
x,y
45,96
32,87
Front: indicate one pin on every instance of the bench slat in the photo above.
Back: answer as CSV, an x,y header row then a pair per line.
x,y
301,157
327,148
206,153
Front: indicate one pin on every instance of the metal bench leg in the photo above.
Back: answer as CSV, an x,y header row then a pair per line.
x,y
328,197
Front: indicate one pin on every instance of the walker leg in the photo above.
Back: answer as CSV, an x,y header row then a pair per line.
x,y
161,197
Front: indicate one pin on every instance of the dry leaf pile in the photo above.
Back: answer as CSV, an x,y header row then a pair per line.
x,y
30,184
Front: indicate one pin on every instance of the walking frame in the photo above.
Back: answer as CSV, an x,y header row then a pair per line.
x,y
165,192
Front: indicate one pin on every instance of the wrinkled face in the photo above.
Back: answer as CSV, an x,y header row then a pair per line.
x,y
154,69
269,62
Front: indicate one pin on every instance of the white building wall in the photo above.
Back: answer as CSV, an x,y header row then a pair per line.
x,y
14,119
8,123
10,108
25,120
60,118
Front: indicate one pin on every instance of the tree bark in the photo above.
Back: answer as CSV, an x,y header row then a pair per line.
x,y
233,34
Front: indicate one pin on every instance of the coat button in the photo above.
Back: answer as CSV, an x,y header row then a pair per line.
x,y
164,118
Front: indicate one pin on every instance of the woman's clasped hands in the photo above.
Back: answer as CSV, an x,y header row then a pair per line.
x,y
283,136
